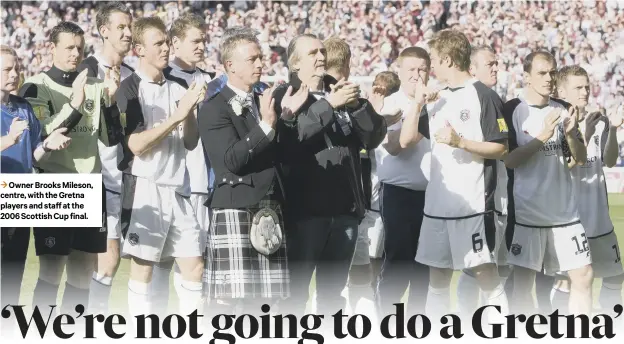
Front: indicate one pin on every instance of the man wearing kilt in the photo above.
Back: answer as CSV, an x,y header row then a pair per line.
x,y
246,263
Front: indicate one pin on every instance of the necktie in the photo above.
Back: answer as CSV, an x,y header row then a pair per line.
x,y
341,116
248,102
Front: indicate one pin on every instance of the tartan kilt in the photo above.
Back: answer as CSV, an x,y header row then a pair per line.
x,y
233,268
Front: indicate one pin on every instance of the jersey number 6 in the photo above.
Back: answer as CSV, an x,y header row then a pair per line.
x,y
477,242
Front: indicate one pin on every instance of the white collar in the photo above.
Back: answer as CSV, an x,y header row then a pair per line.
x,y
148,79
319,94
468,82
100,58
238,91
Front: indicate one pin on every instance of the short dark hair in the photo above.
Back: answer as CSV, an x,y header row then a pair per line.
x,y
65,27
527,64
415,52
143,24
568,71
105,11
183,23
389,81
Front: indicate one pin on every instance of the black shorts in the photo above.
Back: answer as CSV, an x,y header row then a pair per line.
x,y
15,243
61,240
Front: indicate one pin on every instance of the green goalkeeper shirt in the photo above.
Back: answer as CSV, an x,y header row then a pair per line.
x,y
50,93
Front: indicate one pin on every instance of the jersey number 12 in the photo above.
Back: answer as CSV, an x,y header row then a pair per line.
x,y
584,244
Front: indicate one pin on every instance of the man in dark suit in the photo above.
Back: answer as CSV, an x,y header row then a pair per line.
x,y
323,175
246,260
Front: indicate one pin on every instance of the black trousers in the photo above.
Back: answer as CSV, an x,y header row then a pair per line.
x,y
325,244
402,215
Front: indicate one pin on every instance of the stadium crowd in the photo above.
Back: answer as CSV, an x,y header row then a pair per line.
x,y
375,30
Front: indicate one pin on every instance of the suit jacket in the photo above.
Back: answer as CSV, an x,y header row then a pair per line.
x,y
323,173
241,154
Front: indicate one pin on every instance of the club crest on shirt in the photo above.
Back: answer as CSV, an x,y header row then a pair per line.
x,y
516,249
10,232
50,241
590,162
89,105
464,115
596,140
133,239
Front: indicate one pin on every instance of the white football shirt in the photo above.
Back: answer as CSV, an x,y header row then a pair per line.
x,y
111,176
543,192
463,184
195,159
145,104
590,183
410,168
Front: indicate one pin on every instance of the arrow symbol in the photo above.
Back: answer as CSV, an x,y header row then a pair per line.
x,y
4,184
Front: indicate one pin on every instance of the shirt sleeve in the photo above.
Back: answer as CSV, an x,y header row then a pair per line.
x,y
130,112
39,98
268,131
423,122
34,127
131,118
508,110
110,125
493,123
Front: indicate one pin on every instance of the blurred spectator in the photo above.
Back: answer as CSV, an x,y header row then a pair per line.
x,y
590,33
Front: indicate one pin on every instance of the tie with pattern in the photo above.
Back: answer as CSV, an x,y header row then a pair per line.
x,y
248,102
